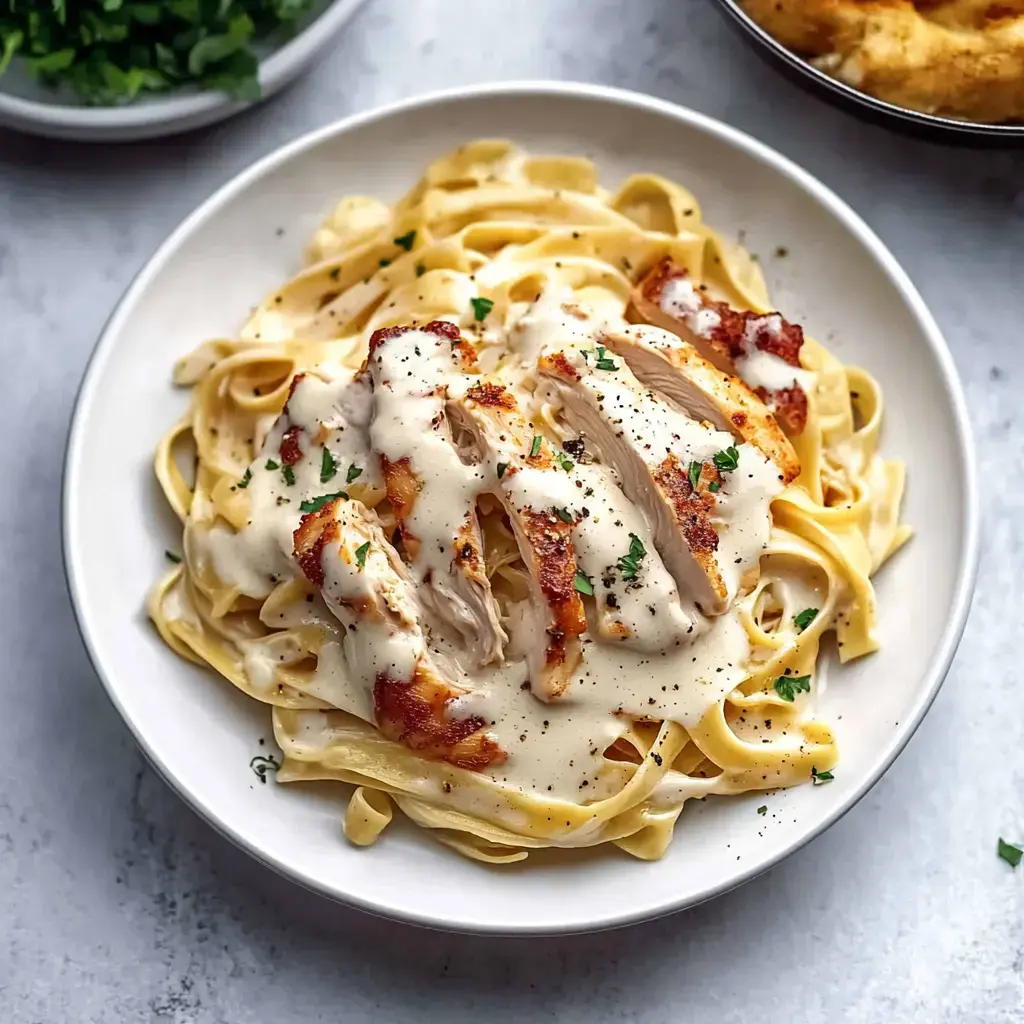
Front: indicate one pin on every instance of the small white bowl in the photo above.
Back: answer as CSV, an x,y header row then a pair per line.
x,y
200,733
31,107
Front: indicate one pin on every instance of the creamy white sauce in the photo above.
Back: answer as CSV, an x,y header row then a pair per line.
x,y
761,369
681,300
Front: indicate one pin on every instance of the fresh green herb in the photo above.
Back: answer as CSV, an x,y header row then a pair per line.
x,y
582,583
726,461
564,514
406,240
113,51
481,307
385,263
361,554
1010,853
172,557
502,466
787,687
820,777
271,464
564,462
629,565
289,475
714,486
694,474
763,809
244,482
261,765
420,270
354,471
535,447
328,467
315,504
603,362
805,618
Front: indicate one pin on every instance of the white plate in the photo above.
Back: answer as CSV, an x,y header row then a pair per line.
x,y
31,107
200,733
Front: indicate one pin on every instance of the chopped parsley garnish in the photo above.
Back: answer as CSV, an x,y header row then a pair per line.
x,y
261,765
244,482
694,474
385,263
328,467
289,475
172,557
787,687
565,463
763,809
502,466
819,777
582,583
1010,853
420,270
805,618
629,565
481,307
271,464
714,486
535,447
564,514
112,51
726,461
406,240
315,504
361,554
354,471
603,362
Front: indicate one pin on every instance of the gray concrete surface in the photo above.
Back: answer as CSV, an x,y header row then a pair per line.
x,y
117,904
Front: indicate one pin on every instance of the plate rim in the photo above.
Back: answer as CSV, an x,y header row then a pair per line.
x,y
966,571
176,111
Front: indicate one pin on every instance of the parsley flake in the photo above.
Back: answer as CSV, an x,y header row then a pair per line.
x,y
694,474
502,466
629,565
289,475
354,471
481,307
271,464
603,362
714,486
726,461
1010,853
804,618
420,270
535,447
787,687
361,554
564,514
582,583
406,240
565,463
172,557
244,482
763,809
328,467
818,778
385,263
315,504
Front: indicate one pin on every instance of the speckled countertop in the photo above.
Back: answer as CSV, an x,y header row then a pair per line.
x,y
118,904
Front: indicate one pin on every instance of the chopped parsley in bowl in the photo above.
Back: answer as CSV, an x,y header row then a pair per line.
x,y
110,52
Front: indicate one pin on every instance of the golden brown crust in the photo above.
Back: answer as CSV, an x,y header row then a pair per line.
x,y
403,487
315,531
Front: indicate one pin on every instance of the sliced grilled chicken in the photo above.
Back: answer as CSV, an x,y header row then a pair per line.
x,y
672,367
707,500
432,492
342,551
762,349
506,448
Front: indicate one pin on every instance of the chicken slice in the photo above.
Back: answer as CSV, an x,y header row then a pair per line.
x,y
672,367
762,349
707,500
508,450
342,551
432,492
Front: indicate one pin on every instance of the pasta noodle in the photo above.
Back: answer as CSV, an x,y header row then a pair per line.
x,y
485,235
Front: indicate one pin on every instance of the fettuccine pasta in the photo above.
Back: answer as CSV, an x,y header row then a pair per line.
x,y
429,519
